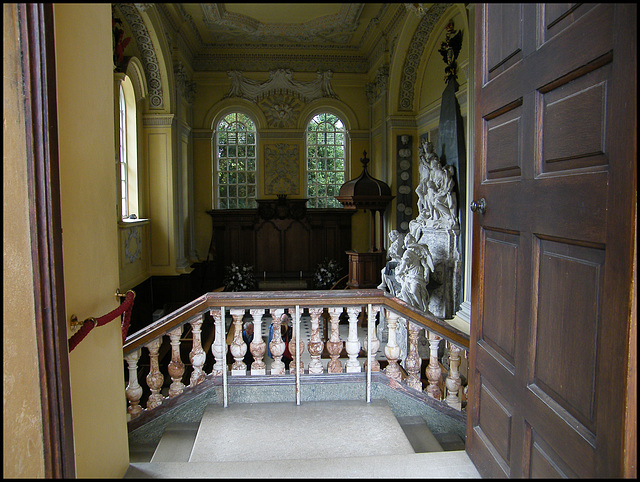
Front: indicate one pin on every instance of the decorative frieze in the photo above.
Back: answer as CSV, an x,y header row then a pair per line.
x,y
416,48
281,81
264,62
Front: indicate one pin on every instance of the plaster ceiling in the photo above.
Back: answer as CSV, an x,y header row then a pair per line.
x,y
292,24
343,37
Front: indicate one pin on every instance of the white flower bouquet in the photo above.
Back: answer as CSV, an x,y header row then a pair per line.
x,y
326,274
239,278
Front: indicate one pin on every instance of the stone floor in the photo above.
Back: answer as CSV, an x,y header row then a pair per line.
x,y
313,440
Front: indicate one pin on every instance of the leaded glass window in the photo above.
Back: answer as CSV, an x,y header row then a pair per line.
x,y
236,162
326,160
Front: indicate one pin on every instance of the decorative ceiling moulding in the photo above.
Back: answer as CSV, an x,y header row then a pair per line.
x,y
131,13
264,62
416,48
335,28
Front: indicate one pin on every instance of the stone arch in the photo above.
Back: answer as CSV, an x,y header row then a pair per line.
x,y
405,68
225,106
328,104
146,40
431,59
135,71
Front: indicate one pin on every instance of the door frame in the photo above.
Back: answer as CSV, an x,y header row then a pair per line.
x,y
36,32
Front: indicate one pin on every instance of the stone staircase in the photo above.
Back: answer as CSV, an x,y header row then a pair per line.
x,y
316,439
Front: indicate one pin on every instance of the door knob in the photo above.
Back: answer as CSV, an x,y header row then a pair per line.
x,y
478,206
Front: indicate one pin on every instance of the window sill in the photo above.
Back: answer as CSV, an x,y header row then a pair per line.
x,y
132,222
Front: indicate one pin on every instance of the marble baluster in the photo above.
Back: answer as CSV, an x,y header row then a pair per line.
x,y
453,382
133,390
353,343
238,347
413,361
335,345
375,343
176,367
155,377
218,350
197,356
296,362
392,350
315,344
258,347
433,371
277,346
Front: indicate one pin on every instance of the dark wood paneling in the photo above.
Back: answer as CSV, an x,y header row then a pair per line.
x,y
288,242
495,421
566,325
501,272
573,122
503,135
504,28
544,462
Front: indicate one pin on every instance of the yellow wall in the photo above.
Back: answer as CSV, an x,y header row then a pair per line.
x,y
90,242
22,447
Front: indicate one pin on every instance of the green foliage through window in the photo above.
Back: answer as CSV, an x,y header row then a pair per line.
x,y
236,162
326,163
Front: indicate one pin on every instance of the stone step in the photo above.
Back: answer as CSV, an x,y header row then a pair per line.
x,y
284,430
419,435
450,465
176,443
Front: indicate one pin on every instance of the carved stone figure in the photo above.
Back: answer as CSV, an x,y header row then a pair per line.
x,y
396,248
436,201
413,272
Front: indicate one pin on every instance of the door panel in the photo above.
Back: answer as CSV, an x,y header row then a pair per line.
x,y
552,254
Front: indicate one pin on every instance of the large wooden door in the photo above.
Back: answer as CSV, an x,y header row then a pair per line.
x,y
553,252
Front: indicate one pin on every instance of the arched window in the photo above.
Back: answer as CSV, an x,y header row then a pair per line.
x,y
124,198
326,160
127,150
236,163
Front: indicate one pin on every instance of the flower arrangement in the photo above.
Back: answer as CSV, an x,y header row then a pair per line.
x,y
239,278
326,274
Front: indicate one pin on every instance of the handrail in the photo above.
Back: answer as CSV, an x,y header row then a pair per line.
x,y
308,298
124,309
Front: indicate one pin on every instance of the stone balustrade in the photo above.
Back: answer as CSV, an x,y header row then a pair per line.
x,y
253,306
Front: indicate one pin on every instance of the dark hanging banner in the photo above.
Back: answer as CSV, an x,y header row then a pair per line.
x,y
450,146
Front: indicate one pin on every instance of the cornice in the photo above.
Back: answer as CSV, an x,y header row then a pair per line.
x,y
263,62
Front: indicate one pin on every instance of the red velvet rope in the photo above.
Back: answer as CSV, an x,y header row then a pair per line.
x,y
90,323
